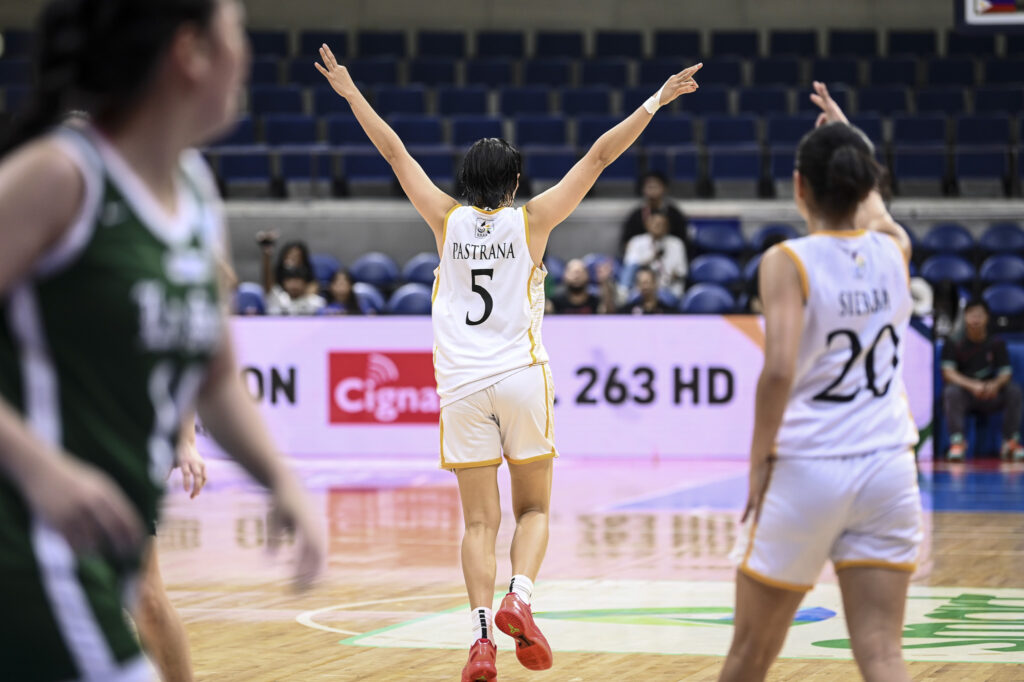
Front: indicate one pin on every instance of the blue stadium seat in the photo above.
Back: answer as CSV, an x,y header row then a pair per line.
x,y
462,100
381,44
803,44
981,172
1004,71
300,71
1003,238
735,172
555,267
312,167
490,72
718,236
782,162
408,99
275,99
707,299
552,72
432,71
563,44
325,266
1002,268
940,101
365,164
893,71
590,127
735,131
1003,99
1004,299
735,44
1014,44
668,130
920,171
834,70
722,72
17,43
712,101
374,71
541,130
444,44
635,96
950,71
763,100
499,45
375,268
771,232
885,100
468,129
249,299
526,100
266,71
344,129
420,268
654,72
548,163
784,71
983,130
947,268
625,169
590,100
369,298
839,93
970,44
782,130
685,164
913,43
310,42
716,269
606,73
243,134
750,270
437,161
281,129
919,131
948,238
677,44
665,296
249,167
418,130
846,43
870,125
327,102
626,44
410,299
592,261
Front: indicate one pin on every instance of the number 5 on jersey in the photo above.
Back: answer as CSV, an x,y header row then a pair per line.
x,y
482,293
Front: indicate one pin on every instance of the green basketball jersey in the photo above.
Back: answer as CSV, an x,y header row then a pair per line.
x,y
102,348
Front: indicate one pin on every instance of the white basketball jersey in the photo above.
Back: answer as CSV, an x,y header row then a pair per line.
x,y
488,301
848,395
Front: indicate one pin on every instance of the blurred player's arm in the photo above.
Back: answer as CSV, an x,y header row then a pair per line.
x,y
550,208
430,201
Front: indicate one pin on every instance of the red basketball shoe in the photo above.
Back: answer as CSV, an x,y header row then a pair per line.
x,y
481,667
515,619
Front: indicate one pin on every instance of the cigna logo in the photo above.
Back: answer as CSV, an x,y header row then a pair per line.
x,y
382,388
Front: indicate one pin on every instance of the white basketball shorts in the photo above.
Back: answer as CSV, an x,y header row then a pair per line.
x,y
512,417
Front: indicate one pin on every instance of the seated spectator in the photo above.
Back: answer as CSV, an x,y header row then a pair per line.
x,y
978,376
652,187
662,252
341,296
292,296
649,302
575,296
292,255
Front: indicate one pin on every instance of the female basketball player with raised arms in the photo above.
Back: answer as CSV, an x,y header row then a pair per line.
x,y
832,471
109,323
490,364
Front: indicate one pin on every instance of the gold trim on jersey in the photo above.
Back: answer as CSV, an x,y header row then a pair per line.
x,y
489,212
772,582
838,233
526,222
529,460
529,299
909,567
547,405
805,284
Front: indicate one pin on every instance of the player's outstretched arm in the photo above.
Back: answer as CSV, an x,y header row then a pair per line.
x,y
431,202
553,206
872,213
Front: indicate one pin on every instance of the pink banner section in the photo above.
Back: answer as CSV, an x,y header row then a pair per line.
x,y
678,386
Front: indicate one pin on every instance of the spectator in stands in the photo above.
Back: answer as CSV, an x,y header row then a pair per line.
x,y
293,255
976,368
341,296
652,187
662,252
291,296
575,296
649,303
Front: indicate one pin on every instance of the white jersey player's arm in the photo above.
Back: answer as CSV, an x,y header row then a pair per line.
x,y
553,206
430,201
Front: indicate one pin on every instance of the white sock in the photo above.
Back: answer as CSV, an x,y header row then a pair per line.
x,y
522,586
482,621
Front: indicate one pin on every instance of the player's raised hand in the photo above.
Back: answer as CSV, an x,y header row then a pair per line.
x,y
681,83
830,110
336,74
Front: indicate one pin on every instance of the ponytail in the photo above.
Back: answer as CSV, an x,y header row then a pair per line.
x,y
837,163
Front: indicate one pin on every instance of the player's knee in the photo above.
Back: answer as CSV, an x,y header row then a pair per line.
x,y
528,510
487,524
152,604
878,659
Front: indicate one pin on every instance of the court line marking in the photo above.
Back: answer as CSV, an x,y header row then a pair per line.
x,y
306,618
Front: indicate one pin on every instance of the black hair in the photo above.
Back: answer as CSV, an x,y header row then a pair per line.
x,y
490,172
977,302
352,304
837,162
644,268
648,175
98,56
306,265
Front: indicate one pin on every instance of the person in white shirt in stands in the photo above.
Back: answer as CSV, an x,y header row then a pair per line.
x,y
292,296
662,252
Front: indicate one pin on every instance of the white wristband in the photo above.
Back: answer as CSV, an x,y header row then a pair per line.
x,y
653,103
